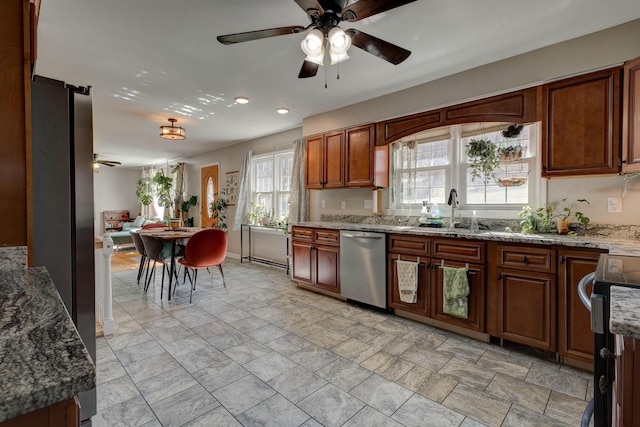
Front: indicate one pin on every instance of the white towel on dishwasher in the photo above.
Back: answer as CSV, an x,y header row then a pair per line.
x,y
407,280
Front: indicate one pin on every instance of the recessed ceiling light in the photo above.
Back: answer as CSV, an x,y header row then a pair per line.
x,y
282,110
241,100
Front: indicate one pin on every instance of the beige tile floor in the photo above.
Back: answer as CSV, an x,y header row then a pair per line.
x,y
267,353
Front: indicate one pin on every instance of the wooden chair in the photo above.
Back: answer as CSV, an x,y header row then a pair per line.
x,y
144,260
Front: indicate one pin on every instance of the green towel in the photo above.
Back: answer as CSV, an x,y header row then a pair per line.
x,y
456,290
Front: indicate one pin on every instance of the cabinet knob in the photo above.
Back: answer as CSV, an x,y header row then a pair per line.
x,y
524,259
499,276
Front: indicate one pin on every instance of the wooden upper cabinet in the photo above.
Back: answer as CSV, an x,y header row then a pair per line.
x,y
325,160
315,161
359,147
515,107
631,117
581,125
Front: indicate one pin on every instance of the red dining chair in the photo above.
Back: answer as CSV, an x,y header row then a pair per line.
x,y
206,248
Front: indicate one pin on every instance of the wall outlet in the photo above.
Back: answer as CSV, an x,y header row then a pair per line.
x,y
368,204
322,204
614,205
343,204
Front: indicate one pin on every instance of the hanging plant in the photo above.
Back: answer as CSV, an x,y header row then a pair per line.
x,y
483,157
144,191
163,189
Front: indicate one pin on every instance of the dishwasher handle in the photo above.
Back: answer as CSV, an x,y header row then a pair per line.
x,y
582,289
363,235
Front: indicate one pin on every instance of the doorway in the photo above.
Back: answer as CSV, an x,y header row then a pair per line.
x,y
208,190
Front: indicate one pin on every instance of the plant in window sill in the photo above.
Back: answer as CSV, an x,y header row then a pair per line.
x,y
563,215
483,157
542,219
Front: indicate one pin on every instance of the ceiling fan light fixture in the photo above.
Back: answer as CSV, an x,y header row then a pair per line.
x,y
282,110
313,46
337,58
95,165
339,41
173,132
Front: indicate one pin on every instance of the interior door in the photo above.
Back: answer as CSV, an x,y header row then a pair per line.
x,y
208,190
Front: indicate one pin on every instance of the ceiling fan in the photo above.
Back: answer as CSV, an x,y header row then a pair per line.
x,y
325,15
97,162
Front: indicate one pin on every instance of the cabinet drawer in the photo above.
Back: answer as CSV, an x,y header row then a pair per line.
x,y
302,233
527,258
327,237
459,250
407,244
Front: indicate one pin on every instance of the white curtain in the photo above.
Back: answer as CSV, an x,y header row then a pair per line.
x,y
244,185
299,199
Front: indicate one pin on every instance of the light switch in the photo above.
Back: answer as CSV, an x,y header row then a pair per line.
x,y
322,204
343,204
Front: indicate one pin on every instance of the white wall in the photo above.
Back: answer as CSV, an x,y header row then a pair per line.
x,y
230,159
598,50
114,189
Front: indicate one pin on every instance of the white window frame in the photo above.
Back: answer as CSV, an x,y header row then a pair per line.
x,y
275,157
456,178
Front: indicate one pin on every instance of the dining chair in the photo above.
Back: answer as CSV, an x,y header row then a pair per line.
x,y
154,249
206,248
144,260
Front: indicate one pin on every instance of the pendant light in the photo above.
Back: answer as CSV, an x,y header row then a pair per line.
x,y
173,132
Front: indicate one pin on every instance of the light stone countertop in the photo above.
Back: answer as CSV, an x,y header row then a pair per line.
x,y
42,358
615,246
625,311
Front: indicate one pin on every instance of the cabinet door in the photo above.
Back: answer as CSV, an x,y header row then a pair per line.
x,y
631,117
334,160
575,338
315,167
581,125
527,303
359,147
302,261
327,270
475,300
421,306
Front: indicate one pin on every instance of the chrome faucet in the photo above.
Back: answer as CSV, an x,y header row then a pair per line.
x,y
453,202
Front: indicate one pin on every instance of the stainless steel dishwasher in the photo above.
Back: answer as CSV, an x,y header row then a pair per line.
x,y
363,269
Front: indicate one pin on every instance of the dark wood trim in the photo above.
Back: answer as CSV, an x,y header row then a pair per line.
x,y
516,107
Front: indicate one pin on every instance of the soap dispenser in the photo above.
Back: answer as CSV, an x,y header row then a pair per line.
x,y
474,223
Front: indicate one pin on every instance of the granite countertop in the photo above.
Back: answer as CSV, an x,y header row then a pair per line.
x,y
42,357
615,246
625,311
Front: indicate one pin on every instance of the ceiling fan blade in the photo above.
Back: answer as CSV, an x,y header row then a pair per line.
x,y
310,7
364,9
108,162
309,69
259,34
378,47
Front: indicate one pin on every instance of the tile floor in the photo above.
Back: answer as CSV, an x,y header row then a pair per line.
x,y
270,354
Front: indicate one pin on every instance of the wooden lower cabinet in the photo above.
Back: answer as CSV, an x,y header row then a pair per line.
x,y
316,257
61,414
575,339
522,279
527,302
475,300
422,304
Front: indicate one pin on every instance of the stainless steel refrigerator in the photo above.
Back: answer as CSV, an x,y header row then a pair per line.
x,y
62,183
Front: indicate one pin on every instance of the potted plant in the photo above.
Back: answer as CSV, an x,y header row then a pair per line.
x,y
542,219
563,215
185,206
483,156
163,186
219,209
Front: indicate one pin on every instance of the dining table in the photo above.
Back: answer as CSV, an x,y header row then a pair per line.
x,y
171,235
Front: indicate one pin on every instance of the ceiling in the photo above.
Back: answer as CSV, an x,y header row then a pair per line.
x,y
148,60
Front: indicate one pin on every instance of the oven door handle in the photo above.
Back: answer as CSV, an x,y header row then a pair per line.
x,y
582,289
